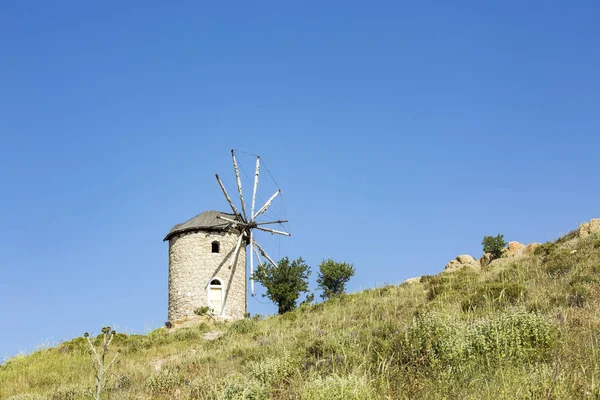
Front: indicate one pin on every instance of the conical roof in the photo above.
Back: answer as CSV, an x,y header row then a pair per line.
x,y
207,221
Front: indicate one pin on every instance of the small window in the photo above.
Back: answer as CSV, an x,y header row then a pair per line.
x,y
215,247
215,282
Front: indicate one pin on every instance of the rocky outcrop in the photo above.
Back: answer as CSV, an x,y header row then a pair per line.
x,y
514,248
462,261
485,260
528,250
588,228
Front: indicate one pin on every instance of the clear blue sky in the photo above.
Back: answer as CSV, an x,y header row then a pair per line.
x,y
401,134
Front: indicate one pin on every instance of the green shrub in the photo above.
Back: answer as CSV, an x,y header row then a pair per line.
x,y
123,382
164,382
578,295
545,249
204,310
271,370
442,341
571,235
494,245
558,264
337,388
67,394
433,339
514,334
242,326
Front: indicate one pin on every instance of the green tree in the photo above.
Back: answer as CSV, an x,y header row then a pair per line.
x,y
494,245
333,276
284,282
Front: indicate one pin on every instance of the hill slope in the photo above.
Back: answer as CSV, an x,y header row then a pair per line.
x,y
528,328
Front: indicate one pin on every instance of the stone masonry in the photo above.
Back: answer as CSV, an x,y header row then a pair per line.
x,y
192,265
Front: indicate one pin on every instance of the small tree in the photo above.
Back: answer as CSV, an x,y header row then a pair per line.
x,y
494,245
333,276
99,361
284,282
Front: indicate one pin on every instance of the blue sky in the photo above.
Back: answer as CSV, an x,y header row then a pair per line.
x,y
401,133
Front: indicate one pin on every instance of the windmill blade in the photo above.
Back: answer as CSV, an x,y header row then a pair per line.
x,y
257,254
233,221
264,253
274,231
255,186
281,221
251,265
235,211
239,184
237,250
267,204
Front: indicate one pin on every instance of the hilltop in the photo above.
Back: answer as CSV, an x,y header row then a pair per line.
x,y
527,327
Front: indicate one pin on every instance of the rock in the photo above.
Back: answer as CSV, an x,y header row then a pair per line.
x,y
514,248
461,261
213,335
413,280
528,250
485,260
588,228
466,259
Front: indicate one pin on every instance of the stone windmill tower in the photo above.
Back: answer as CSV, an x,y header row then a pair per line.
x,y
207,256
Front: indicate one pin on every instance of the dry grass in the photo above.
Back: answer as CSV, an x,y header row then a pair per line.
x,y
527,330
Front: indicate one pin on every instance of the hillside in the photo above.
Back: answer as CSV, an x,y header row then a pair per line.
x,y
526,328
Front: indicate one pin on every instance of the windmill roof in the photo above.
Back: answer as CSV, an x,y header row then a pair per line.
x,y
206,221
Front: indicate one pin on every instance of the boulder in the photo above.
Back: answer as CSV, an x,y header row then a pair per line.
x,y
588,228
514,248
485,260
461,261
528,250
413,280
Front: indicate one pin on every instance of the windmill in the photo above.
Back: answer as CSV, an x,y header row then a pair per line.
x,y
246,223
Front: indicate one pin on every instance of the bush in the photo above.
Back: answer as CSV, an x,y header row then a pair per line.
x,y
67,394
434,339
242,326
284,282
204,310
164,382
333,276
559,264
494,245
441,341
545,249
271,370
578,295
514,334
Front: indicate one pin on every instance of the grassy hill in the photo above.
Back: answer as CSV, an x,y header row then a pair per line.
x,y
526,329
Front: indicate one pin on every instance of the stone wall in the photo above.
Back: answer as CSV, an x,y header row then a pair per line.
x,y
192,265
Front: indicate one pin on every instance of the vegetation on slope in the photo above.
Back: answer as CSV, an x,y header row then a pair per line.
x,y
528,329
